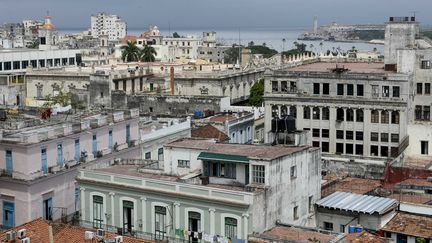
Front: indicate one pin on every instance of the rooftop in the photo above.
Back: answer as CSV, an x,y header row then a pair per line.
x,y
350,184
353,67
209,131
37,231
259,152
358,203
365,237
422,184
410,224
291,234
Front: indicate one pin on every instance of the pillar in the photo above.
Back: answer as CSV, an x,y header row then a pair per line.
x,y
112,194
82,198
212,220
143,213
245,226
177,215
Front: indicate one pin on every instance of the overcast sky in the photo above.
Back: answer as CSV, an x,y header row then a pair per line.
x,y
215,13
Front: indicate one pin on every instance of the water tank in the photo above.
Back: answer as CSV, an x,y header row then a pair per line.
x,y
197,114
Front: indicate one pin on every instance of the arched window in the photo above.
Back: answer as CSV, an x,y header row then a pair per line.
x,y
293,111
340,114
350,115
316,113
395,117
359,115
374,116
231,228
98,212
275,111
284,111
325,113
306,112
384,117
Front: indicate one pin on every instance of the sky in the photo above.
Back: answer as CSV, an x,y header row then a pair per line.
x,y
139,14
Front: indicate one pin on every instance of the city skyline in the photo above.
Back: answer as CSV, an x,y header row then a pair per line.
x,y
223,14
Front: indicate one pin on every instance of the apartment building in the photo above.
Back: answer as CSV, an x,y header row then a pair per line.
x,y
107,24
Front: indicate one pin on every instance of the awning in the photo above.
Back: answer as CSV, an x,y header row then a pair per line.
x,y
223,157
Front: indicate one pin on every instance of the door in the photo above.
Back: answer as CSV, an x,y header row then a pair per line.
x,y
110,139
47,209
8,214
128,208
77,150
128,134
60,154
194,225
246,174
9,163
94,145
44,161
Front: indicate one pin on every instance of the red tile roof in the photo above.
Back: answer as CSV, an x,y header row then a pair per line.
x,y
209,131
285,233
37,231
410,224
365,237
350,184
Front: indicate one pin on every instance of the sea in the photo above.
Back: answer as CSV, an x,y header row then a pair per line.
x,y
272,37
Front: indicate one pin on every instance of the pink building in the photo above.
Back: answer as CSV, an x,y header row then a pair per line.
x,y
38,162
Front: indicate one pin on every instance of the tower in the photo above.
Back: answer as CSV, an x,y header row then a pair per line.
x,y
400,33
315,25
48,36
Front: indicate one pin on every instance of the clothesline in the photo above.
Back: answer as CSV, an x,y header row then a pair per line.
x,y
206,237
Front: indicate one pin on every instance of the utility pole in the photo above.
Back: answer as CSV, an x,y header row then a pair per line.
x,y
239,49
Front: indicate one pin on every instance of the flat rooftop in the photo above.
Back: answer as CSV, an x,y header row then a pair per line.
x,y
259,152
353,67
350,184
410,224
291,234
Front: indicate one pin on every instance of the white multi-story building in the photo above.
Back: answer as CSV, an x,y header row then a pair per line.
x,y
106,24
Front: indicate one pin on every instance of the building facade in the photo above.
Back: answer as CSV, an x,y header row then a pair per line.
x,y
107,24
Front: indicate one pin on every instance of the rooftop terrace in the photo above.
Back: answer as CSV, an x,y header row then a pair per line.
x,y
352,67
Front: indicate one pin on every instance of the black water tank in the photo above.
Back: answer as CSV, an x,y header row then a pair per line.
x,y
290,123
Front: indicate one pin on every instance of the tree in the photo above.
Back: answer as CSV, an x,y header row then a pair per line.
x,y
34,44
257,93
63,99
176,35
130,52
251,44
147,54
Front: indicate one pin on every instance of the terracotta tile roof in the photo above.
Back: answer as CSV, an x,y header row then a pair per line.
x,y
209,131
416,182
365,237
416,198
350,184
128,38
222,118
410,224
284,233
37,231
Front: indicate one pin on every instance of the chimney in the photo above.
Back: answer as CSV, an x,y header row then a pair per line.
x,y
172,84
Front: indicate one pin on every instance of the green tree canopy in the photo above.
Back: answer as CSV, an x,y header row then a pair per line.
x,y
130,52
147,54
257,93
176,35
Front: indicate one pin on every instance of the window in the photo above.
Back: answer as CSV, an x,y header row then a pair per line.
x,y
426,64
359,149
349,135
60,154
339,148
47,209
325,147
359,115
231,228
160,154
395,138
340,89
77,150
183,163
424,147
395,117
41,63
7,66
342,228
24,64
316,113
349,115
293,172
374,136
359,136
284,86
258,174
306,113
316,133
325,133
160,222
427,88
295,212
275,87
350,89
349,149
16,65
426,113
418,112
293,111
360,90
315,144
326,88
339,134
384,151
340,114
420,88
374,150
375,91
316,88
384,117
94,145
98,212
147,155
9,162
384,137
374,116
310,204
396,91
325,113
385,91
328,226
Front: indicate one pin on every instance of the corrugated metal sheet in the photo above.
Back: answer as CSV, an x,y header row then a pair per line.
x,y
357,203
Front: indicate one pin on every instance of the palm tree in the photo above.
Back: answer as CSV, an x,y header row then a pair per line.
x,y
130,52
147,54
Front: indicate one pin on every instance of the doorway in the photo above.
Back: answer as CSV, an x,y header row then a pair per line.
x,y
194,225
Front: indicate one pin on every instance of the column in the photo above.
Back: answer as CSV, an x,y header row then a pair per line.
x,y
212,220
82,198
177,215
112,194
143,213
245,225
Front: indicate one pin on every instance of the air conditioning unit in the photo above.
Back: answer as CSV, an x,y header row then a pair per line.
x,y
10,236
25,240
100,233
119,239
88,235
21,233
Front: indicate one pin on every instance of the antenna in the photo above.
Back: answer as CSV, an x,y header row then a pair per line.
x,y
414,13
239,46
